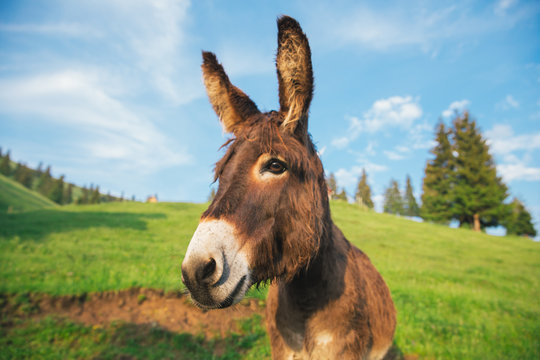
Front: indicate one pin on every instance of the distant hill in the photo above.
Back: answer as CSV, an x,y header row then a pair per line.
x,y
43,182
15,197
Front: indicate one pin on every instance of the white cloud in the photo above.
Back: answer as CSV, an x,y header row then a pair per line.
x,y
146,40
502,6
106,129
421,136
155,32
392,112
508,103
349,177
381,30
504,143
370,148
426,26
518,171
456,106
58,29
502,140
393,155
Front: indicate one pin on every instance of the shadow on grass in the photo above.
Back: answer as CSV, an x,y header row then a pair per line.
x,y
60,338
33,225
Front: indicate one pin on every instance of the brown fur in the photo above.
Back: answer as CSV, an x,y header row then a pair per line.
x,y
229,102
326,299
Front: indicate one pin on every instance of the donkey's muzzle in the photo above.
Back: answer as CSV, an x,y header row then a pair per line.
x,y
199,276
215,272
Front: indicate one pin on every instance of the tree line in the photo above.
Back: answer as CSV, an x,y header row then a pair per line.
x,y
460,184
55,189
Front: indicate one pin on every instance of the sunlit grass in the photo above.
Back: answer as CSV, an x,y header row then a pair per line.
x,y
459,295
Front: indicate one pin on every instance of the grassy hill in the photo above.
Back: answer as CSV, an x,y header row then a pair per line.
x,y
15,197
459,294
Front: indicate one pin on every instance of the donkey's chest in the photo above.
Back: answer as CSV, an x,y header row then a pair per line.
x,y
297,334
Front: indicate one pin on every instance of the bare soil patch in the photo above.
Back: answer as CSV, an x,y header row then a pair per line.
x,y
172,311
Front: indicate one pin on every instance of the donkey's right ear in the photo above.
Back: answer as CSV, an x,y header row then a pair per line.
x,y
229,102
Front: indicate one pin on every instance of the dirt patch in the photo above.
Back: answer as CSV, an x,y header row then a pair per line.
x,y
172,311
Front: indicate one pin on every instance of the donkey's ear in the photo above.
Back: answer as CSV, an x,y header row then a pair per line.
x,y
229,102
295,75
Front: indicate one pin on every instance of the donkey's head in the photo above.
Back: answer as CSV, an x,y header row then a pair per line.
x,y
270,213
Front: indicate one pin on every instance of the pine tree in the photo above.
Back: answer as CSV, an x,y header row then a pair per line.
x,y
95,198
409,201
45,182
68,196
84,199
393,202
57,192
342,195
23,175
438,180
5,166
363,192
478,193
519,220
332,185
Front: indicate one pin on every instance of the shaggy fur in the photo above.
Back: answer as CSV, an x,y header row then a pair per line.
x,y
326,300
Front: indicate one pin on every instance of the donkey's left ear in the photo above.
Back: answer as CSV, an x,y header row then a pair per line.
x,y
295,76
229,102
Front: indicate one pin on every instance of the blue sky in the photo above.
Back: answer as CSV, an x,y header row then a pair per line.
x,y
110,92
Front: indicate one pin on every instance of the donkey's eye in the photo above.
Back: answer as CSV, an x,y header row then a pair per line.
x,y
275,167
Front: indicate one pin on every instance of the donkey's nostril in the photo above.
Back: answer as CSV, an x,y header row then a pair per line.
x,y
207,270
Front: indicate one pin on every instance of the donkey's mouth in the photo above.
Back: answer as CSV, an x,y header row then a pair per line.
x,y
234,295
207,302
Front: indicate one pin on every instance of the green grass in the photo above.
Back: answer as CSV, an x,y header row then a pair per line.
x,y
459,295
79,249
14,197
53,338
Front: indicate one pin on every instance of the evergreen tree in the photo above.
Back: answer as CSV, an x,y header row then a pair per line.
x,y
363,192
68,196
5,166
57,192
438,180
409,201
85,198
393,202
519,220
95,198
23,175
332,186
45,182
342,195
478,193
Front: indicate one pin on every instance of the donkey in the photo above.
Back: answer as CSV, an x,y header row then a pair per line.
x,y
270,222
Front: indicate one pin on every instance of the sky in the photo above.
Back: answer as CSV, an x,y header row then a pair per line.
x,y
110,92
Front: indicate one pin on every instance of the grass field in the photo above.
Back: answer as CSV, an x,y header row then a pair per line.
x,y
14,197
459,295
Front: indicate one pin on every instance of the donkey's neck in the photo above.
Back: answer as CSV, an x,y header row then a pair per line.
x,y
323,279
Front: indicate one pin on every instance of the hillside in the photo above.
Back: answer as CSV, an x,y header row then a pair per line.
x,y
16,197
459,294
